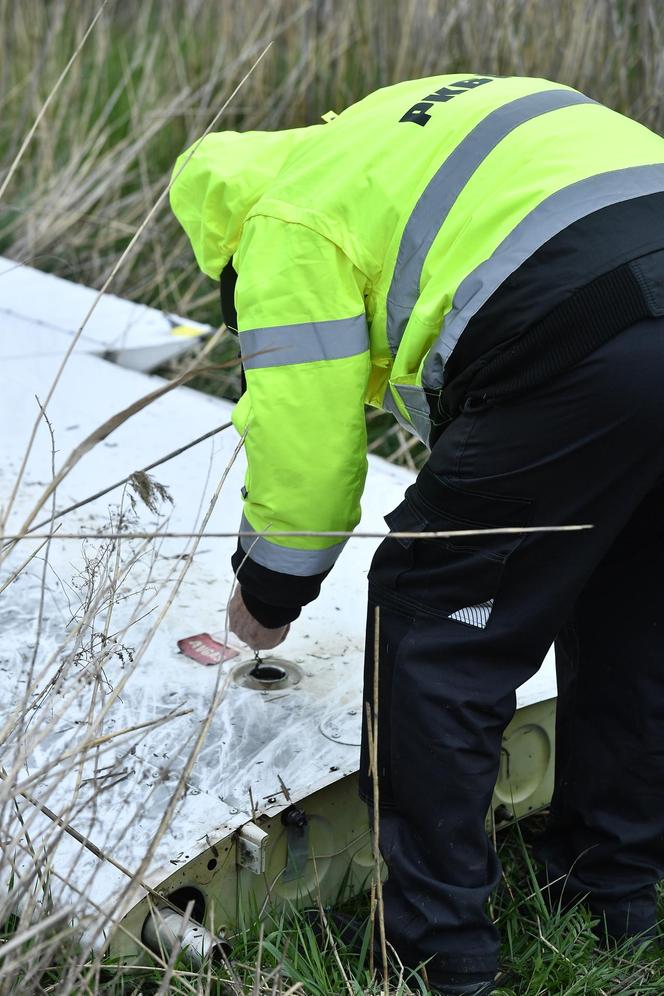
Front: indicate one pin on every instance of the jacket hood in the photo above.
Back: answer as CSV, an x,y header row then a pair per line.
x,y
215,187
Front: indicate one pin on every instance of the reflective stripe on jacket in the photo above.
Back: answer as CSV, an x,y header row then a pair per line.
x,y
365,246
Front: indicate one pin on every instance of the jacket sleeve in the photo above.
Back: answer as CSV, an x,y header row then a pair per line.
x,y
305,349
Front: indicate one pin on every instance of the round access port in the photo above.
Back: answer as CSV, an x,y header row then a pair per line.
x,y
343,726
166,931
189,897
268,674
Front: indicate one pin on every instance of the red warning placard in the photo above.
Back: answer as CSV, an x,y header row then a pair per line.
x,y
204,649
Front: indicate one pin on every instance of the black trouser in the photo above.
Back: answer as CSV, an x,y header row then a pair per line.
x,y
464,622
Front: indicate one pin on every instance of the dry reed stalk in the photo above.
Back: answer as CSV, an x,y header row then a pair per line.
x,y
104,288
372,740
72,636
89,845
99,434
328,533
108,916
217,694
42,111
92,606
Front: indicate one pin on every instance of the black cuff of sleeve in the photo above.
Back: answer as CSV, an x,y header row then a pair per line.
x,y
260,585
270,616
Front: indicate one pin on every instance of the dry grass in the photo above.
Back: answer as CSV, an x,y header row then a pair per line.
x,y
152,75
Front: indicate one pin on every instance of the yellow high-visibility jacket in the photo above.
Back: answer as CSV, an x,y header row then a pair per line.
x,y
363,249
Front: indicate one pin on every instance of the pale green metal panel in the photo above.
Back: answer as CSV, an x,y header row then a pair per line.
x,y
334,854
525,779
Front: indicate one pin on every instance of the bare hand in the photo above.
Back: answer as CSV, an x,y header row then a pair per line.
x,y
249,630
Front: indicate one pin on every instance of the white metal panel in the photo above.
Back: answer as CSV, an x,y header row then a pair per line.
x,y
131,334
261,748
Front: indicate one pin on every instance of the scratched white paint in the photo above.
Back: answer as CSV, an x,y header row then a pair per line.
x,y
259,745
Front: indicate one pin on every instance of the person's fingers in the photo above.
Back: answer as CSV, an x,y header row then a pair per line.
x,y
261,638
272,638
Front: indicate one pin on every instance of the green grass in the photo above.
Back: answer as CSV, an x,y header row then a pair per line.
x,y
543,952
